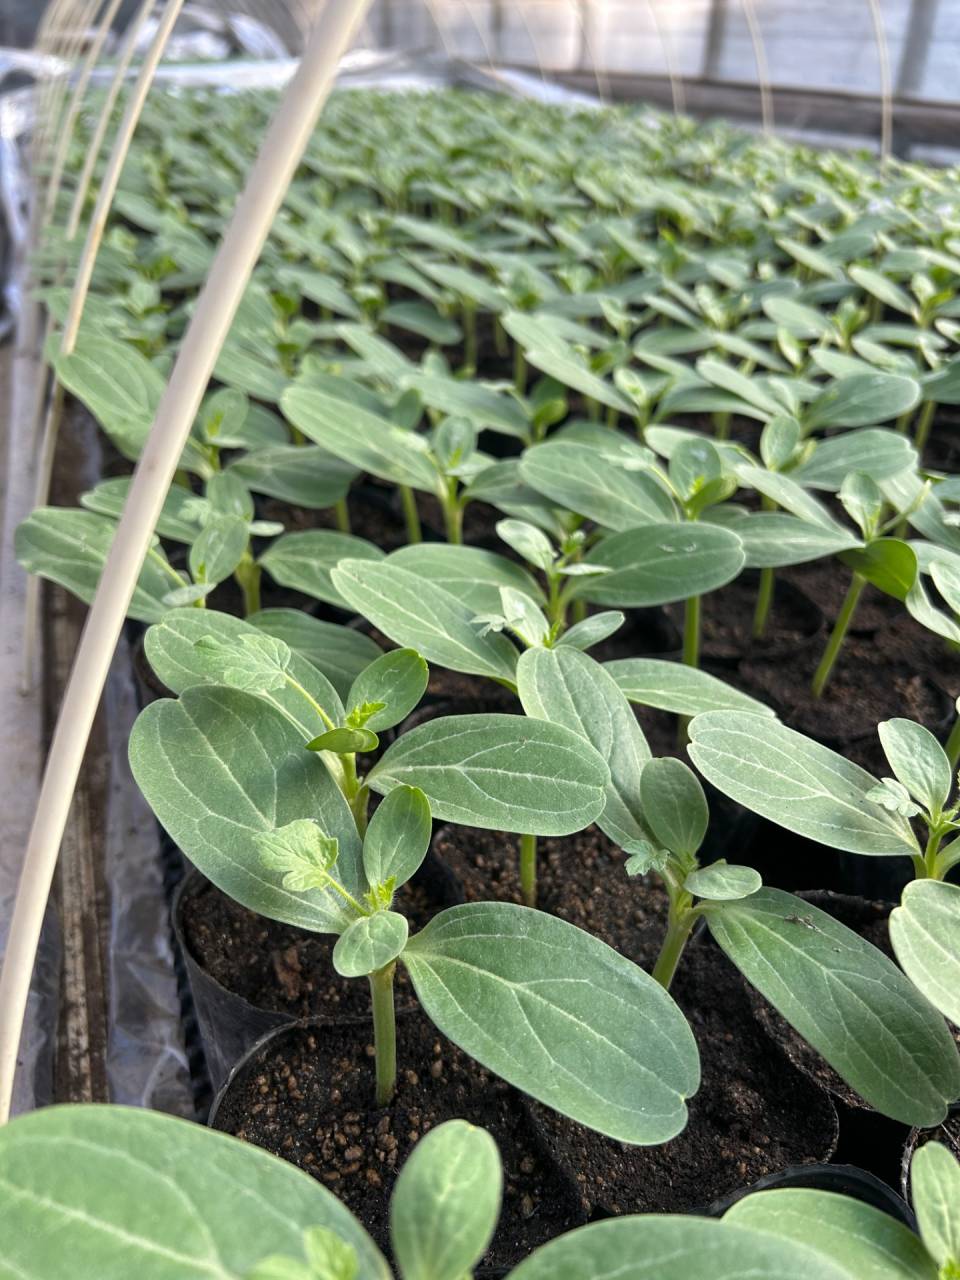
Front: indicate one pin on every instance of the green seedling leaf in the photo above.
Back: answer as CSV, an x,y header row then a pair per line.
x,y
328,1258
894,797
569,688
673,686
560,1015
397,838
873,451
919,761
412,611
256,663
301,853
889,564
787,493
935,1187
529,542
773,539
119,386
70,547
568,368
370,944
592,630
307,562
500,772
344,742
868,1243
304,475
424,320
340,653
651,1247
747,390
662,563
779,442
473,575
722,882
863,400
397,681
796,783
847,1000
117,1190
580,478
174,650
219,548
249,776
359,438
925,932
446,1203
181,519
481,405
674,805
799,320
862,500
879,286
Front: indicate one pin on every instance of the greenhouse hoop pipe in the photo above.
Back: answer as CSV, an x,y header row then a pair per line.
x,y
73,34
886,82
763,70
281,151
78,299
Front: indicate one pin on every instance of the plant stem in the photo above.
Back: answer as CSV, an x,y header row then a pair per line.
x,y
764,600
453,517
924,423
721,423
411,515
528,869
613,417
384,1032
682,920
691,632
500,338
838,635
248,574
342,515
934,840
470,347
519,370
953,745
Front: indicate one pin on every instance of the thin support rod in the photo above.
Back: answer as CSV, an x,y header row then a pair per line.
x,y
116,84
666,45
281,152
763,70
886,79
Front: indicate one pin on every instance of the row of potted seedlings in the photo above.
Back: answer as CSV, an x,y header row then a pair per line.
x,y
503,555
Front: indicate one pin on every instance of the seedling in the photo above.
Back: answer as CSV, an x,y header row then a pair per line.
x,y
792,952
274,813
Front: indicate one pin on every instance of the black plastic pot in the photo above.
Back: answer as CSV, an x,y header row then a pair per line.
x,y
948,1133
231,1107
229,1025
841,1179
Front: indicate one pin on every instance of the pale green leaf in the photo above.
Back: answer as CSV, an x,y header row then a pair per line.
x,y
369,944
925,933
674,686
307,561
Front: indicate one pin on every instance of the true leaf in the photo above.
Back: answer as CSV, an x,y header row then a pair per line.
x,y
674,805
340,653
919,761
500,772
560,1015
397,838
369,944
935,1184
397,679
796,783
721,882
847,1000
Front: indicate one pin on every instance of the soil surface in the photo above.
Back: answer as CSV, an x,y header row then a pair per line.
x,y
826,582
308,1098
752,1115
795,622
288,970
581,880
861,692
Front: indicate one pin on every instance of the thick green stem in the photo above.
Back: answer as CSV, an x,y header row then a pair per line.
x,y
761,614
953,745
411,515
528,869
519,371
934,840
924,423
691,632
341,514
453,516
721,424
682,920
384,1032
838,635
613,417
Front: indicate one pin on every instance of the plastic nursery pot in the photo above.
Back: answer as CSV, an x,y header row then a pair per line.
x,y
794,625
249,974
753,1114
306,1092
840,1179
948,1133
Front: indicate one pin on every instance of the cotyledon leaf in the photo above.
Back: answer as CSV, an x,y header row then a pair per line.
x,y
568,687
925,933
220,767
414,612
560,1015
796,783
660,563
114,1192
306,561
472,574
673,686
501,772
848,1001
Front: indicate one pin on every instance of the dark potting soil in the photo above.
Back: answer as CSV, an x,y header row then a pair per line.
x,y
794,623
581,880
826,582
860,693
752,1115
308,1097
905,641
480,522
371,517
280,968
